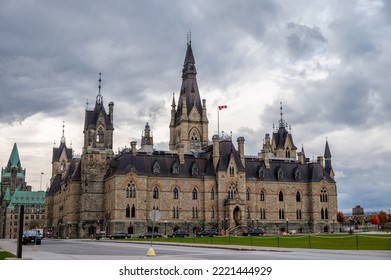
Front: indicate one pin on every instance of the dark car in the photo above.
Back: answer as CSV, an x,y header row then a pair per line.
x,y
179,233
118,235
254,232
207,232
150,234
31,236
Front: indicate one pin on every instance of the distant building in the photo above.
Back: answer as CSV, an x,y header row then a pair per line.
x,y
198,183
15,192
358,211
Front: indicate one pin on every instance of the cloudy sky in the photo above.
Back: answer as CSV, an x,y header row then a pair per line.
x,y
328,62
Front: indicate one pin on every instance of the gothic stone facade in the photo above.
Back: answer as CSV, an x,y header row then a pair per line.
x,y
196,184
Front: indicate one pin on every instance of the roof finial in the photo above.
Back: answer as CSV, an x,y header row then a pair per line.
x,y
189,38
99,98
63,129
282,123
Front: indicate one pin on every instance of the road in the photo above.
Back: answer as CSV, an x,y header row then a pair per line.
x,y
52,249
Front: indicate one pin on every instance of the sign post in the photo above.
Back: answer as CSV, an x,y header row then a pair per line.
x,y
154,215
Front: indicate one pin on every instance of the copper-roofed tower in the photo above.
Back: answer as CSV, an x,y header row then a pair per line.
x,y
189,122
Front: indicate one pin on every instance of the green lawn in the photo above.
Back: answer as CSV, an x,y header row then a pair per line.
x,y
5,254
329,241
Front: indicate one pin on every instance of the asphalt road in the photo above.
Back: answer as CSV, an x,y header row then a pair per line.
x,y
52,249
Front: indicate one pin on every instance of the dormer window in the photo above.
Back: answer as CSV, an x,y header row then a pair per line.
x,y
194,169
156,168
280,173
175,168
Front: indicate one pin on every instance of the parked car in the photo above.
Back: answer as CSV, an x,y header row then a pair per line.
x,y
150,234
31,236
100,235
207,232
179,233
118,235
254,232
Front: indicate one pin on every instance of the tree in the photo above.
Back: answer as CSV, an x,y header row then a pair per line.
x,y
340,217
383,218
375,219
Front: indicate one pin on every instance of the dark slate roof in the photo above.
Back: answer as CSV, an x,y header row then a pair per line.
x,y
227,149
74,170
280,137
308,172
189,88
143,164
93,115
55,185
57,152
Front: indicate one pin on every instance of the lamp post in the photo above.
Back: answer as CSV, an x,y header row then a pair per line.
x,y
257,222
350,225
287,224
165,227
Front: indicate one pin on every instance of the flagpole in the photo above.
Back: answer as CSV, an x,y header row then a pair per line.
x,y
218,121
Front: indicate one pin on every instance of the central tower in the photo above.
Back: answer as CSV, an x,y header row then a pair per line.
x,y
189,122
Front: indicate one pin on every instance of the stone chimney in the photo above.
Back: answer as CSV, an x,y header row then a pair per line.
x,y
133,147
320,160
216,150
181,153
240,141
111,111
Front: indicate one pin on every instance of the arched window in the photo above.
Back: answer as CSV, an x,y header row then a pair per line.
x,y
262,195
262,214
155,193
248,213
322,213
232,171
100,137
298,214
194,193
131,190
326,214
127,211
261,173
280,173
212,194
281,214
247,194
133,212
323,195
280,196
175,193
194,140
298,197
212,213
231,191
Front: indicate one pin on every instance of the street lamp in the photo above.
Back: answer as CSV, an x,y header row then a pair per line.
x,y
350,224
287,223
165,227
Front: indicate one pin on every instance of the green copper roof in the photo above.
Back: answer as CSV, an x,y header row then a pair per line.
x,y
32,198
7,195
14,160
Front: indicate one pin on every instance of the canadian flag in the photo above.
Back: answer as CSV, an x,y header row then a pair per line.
x,y
222,107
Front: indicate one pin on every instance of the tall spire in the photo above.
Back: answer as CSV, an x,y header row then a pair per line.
x,y
14,160
63,135
99,97
282,122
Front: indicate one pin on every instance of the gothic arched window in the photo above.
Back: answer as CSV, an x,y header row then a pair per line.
x,y
280,196
194,193
298,197
262,195
175,193
155,193
100,137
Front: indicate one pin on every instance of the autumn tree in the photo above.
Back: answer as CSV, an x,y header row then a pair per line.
x,y
375,219
340,217
383,218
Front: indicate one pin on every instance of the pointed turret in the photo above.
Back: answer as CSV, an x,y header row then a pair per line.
x,y
61,157
327,157
189,123
14,160
98,126
147,139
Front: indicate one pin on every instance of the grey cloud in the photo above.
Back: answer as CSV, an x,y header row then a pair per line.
x,y
304,42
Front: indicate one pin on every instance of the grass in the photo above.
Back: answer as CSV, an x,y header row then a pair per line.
x,y
336,242
5,254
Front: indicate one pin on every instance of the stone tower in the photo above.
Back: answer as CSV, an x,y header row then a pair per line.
x,y
61,158
95,159
189,122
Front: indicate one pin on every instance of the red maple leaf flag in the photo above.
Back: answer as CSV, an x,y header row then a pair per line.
x,y
222,107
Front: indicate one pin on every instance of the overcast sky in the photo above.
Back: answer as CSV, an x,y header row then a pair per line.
x,y
328,62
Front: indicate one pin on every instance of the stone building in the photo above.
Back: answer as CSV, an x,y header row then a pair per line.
x,y
198,183
14,192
